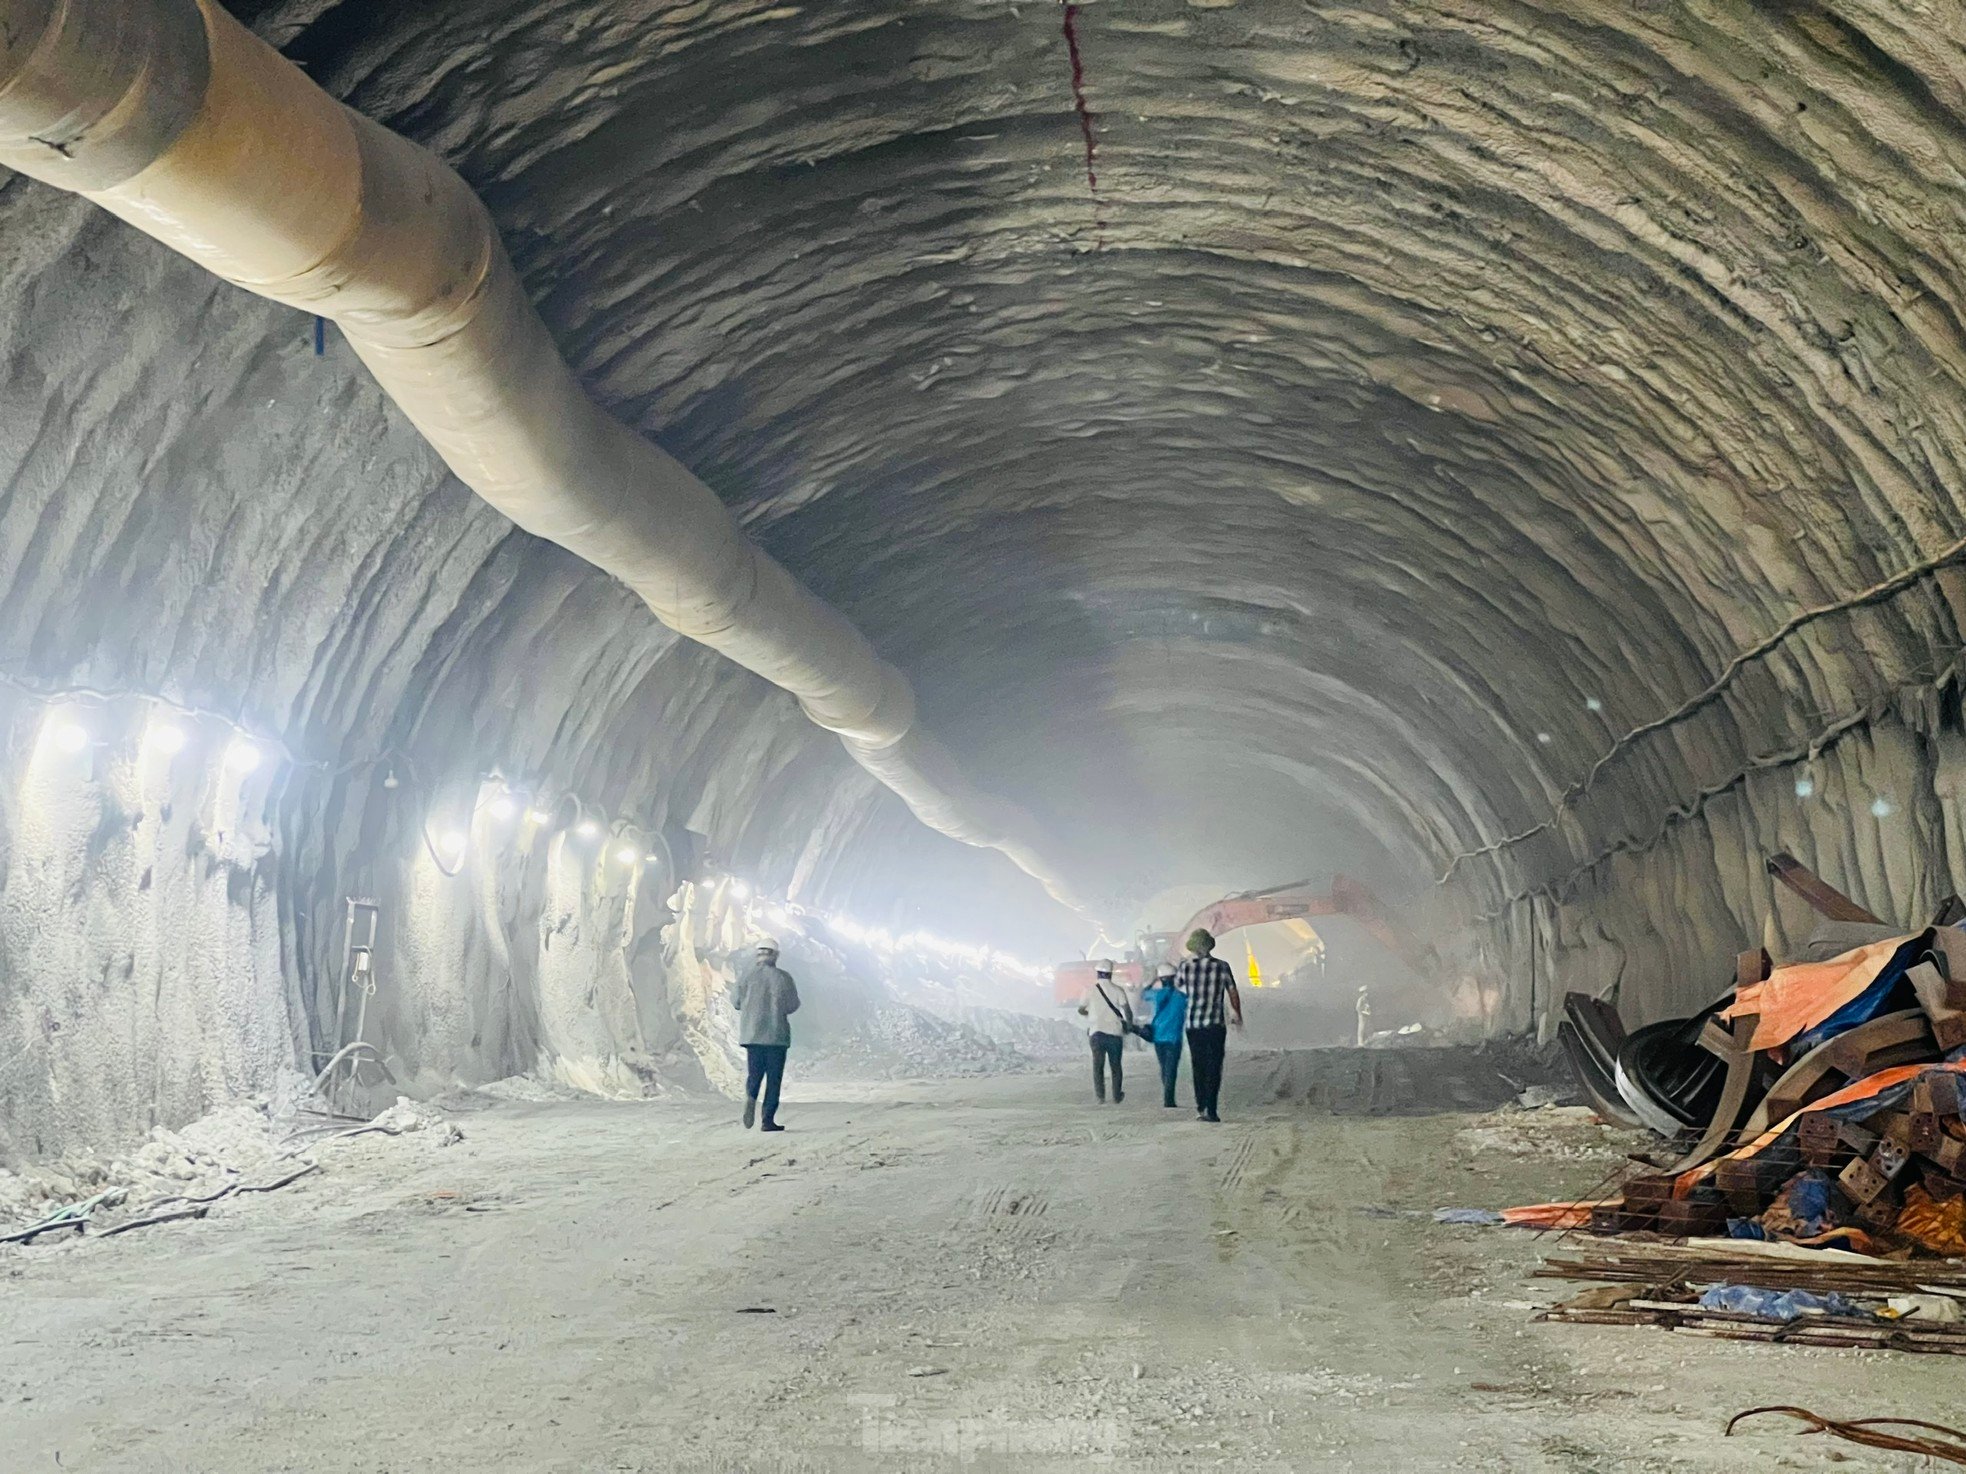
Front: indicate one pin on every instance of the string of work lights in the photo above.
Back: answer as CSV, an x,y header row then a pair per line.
x,y
72,729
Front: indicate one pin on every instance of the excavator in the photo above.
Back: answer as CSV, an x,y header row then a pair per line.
x,y
1293,902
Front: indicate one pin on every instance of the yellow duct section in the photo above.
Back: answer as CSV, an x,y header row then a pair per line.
x,y
173,116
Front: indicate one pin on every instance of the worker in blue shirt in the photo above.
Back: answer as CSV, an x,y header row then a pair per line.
x,y
1170,1006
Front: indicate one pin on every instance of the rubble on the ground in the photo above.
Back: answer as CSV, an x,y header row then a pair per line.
x,y
242,1147
1568,1133
229,1142
1816,1116
413,1115
1396,1082
897,1039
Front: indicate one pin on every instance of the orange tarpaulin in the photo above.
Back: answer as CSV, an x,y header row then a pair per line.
x,y
1940,1227
1577,1215
1550,1215
1796,998
1862,1089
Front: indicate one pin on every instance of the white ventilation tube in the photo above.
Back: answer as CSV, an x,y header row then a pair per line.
x,y
173,116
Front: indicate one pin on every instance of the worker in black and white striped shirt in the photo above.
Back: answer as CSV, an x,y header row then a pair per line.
x,y
1212,1001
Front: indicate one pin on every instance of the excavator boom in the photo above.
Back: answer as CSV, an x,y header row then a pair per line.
x,y
1293,902
1297,901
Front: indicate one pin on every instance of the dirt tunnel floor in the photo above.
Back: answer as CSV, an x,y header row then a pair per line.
x,y
986,1273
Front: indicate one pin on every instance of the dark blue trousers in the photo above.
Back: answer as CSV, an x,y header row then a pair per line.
x,y
1169,1054
767,1067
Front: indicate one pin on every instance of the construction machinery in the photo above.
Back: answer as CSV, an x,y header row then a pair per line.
x,y
1296,901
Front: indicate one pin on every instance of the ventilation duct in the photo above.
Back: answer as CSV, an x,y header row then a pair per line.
x,y
176,118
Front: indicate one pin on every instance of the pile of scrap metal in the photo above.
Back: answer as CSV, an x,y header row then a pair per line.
x,y
1816,1103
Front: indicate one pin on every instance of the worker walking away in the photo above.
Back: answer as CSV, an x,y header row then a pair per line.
x,y
1109,1019
765,999
1170,1006
1213,1001
1364,1007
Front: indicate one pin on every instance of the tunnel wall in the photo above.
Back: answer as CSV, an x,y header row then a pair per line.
x,y
141,962
1654,924
273,556
1490,441
171,932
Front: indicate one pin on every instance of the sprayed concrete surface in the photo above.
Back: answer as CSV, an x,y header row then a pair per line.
x,y
987,1273
1517,443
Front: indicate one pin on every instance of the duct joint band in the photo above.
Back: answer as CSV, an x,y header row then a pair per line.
x,y
143,71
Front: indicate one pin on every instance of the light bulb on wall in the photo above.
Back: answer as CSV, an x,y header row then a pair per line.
x,y
452,845
502,808
1880,807
739,891
242,756
537,816
588,829
168,738
1805,786
627,854
71,737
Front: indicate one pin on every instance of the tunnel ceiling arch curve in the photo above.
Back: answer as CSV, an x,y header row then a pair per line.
x,y
1406,402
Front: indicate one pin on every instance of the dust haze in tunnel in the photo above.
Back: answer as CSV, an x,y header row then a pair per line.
x,y
1429,395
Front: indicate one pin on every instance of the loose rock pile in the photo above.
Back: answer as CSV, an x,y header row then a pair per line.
x,y
896,1039
241,1148
233,1141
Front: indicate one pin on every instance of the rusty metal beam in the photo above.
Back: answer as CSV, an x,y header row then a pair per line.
x,y
1819,893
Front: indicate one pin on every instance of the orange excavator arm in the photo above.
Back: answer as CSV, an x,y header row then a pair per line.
x,y
1296,901
1293,902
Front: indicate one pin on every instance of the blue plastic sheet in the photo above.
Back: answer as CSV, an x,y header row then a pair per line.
x,y
1807,1203
1783,1305
1477,1217
1865,1006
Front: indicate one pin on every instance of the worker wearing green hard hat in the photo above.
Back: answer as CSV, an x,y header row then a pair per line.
x,y
1210,988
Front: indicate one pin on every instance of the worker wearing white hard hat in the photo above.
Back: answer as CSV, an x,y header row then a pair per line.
x,y
1109,1019
765,999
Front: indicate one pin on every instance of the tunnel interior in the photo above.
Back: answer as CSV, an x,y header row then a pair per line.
x,y
1507,453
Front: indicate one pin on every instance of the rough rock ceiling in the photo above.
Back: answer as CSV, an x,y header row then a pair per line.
x,y
1407,401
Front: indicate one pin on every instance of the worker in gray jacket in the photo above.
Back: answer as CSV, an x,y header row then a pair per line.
x,y
765,999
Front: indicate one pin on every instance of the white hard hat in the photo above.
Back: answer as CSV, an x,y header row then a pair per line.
x,y
767,944
1165,970
1103,967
